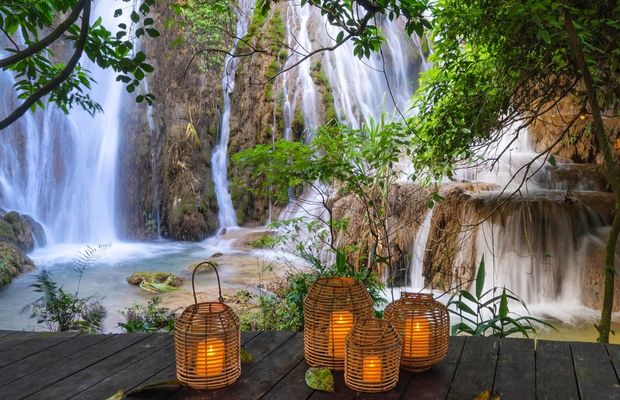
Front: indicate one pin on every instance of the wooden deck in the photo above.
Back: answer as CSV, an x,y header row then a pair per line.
x,y
93,367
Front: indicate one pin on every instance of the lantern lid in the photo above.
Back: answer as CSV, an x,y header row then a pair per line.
x,y
337,282
373,332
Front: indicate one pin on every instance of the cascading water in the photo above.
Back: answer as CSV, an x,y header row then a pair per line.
x,y
219,158
61,169
418,252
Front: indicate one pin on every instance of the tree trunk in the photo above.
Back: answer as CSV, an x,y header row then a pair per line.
x,y
611,171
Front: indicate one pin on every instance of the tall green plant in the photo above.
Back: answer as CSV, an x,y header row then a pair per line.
x,y
486,313
60,310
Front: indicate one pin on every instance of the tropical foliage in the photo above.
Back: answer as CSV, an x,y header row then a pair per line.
x,y
33,35
487,313
502,65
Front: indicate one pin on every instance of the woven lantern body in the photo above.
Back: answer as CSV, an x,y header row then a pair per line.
x,y
423,324
372,358
330,310
207,343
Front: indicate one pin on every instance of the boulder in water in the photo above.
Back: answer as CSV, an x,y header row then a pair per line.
x,y
22,233
37,230
12,263
170,279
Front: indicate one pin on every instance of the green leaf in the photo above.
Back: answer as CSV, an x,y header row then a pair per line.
x,y
480,278
155,386
135,17
551,160
320,378
503,305
117,396
246,357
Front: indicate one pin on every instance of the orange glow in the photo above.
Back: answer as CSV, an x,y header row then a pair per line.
x,y
210,357
340,325
417,337
371,372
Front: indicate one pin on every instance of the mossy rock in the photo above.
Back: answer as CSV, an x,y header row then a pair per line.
x,y
22,232
12,263
6,232
167,278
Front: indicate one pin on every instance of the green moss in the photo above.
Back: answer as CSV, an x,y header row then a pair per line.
x,y
322,81
6,232
298,124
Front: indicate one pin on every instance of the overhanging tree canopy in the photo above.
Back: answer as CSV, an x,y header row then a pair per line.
x,y
31,31
502,64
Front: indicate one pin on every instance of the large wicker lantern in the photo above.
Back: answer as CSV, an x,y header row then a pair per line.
x,y
207,342
423,324
330,310
372,358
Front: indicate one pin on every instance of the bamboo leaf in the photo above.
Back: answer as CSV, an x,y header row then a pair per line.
x,y
480,278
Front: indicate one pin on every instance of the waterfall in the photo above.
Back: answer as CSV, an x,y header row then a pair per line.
x,y
363,89
62,169
418,252
219,158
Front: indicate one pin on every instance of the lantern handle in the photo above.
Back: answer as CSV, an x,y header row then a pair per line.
x,y
219,285
385,329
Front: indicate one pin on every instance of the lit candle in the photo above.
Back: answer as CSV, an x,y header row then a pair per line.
x,y
340,324
417,337
371,372
210,357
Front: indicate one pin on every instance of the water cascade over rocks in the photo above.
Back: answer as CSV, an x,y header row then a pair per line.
x,y
219,157
61,169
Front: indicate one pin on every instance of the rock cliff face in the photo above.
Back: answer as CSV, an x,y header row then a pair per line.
x,y
578,144
166,167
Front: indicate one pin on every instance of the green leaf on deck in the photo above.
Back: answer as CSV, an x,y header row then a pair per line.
x,y
246,357
154,386
320,379
117,396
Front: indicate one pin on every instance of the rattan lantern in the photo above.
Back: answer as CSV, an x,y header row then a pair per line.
x,y
207,342
423,324
372,357
330,310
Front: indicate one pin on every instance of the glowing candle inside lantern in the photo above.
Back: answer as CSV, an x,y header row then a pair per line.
x,y
417,337
210,357
371,371
340,324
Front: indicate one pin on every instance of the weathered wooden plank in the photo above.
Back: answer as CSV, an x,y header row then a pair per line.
x,y
35,362
435,383
265,374
9,342
596,378
30,384
95,373
515,375
168,373
341,391
476,368
292,386
614,355
555,375
126,378
30,347
4,334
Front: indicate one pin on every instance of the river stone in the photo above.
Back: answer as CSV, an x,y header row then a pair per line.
x,y
22,233
154,277
12,263
37,230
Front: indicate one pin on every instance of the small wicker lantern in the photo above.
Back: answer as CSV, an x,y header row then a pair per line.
x,y
423,324
330,310
372,358
207,342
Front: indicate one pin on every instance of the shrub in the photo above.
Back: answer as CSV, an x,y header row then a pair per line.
x,y
150,318
62,311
